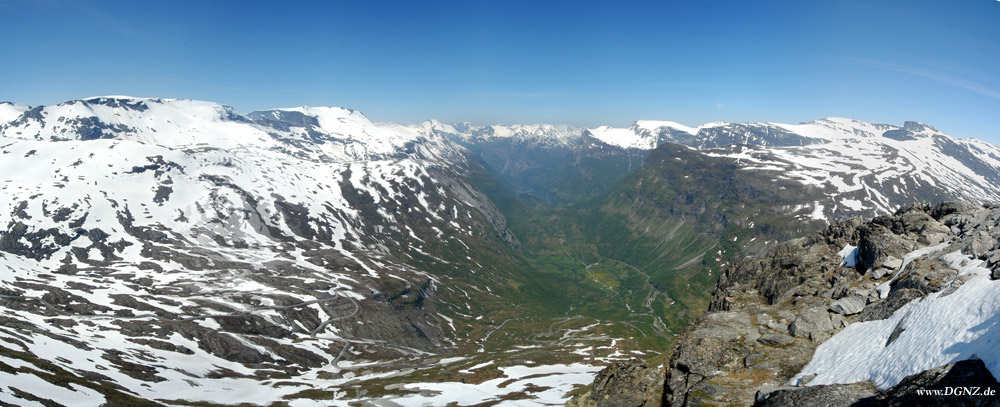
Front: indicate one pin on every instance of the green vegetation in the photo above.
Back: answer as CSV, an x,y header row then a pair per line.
x,y
642,257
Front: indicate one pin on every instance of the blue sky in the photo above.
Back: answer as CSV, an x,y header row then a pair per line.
x,y
579,63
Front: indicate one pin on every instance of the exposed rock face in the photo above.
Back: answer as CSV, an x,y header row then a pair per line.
x,y
878,244
630,383
775,343
769,313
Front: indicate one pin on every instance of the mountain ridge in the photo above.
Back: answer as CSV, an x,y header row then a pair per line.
x,y
550,130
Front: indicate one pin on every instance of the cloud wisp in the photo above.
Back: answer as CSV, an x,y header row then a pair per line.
x,y
945,78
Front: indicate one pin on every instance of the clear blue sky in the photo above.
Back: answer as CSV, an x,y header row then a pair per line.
x,y
578,63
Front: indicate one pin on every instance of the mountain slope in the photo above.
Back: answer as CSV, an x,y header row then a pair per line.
x,y
863,168
209,249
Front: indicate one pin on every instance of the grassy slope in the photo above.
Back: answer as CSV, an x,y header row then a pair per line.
x,y
645,254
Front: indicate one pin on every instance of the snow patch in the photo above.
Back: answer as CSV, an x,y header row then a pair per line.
x,y
930,332
624,138
848,256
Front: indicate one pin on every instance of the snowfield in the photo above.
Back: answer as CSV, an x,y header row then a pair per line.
x,y
930,332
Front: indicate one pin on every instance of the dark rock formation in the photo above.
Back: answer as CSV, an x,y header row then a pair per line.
x,y
963,383
629,383
953,381
837,395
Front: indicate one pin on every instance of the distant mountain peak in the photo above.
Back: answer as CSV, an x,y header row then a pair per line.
x,y
9,111
658,124
627,138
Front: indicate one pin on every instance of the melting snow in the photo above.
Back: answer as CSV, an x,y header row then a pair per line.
x,y
849,256
560,379
936,330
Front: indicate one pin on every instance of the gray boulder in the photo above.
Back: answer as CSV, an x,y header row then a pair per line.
x,y
848,305
777,340
813,323
892,263
914,221
980,244
933,232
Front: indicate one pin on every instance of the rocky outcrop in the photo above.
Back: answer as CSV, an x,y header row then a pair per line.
x,y
770,312
628,383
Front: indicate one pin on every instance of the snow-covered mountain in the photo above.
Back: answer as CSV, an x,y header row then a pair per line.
x,y
10,111
216,250
873,169
545,134
862,168
168,246
859,168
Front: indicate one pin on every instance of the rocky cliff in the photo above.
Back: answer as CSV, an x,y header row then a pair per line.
x,y
845,317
